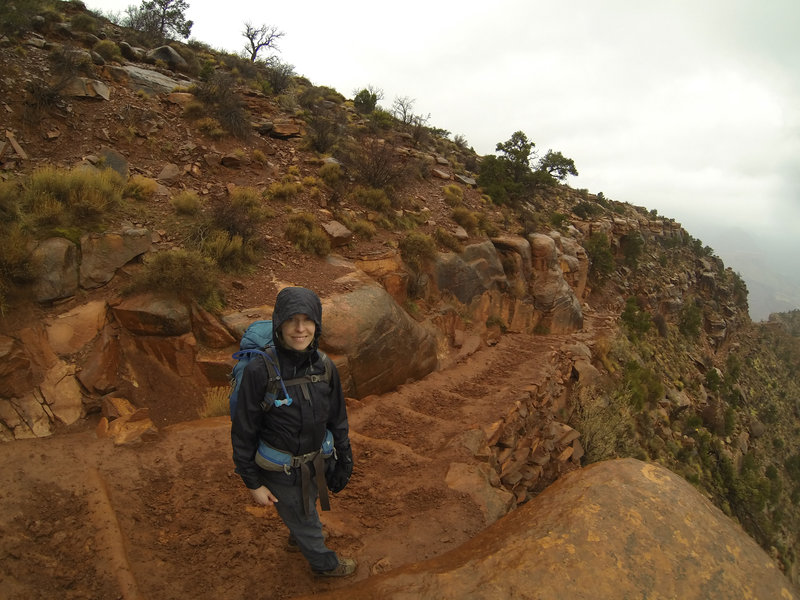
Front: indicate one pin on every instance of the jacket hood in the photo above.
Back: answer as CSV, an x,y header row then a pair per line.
x,y
296,300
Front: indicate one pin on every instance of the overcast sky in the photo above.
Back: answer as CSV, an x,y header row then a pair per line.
x,y
689,107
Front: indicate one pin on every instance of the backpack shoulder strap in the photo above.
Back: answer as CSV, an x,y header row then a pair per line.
x,y
271,393
326,361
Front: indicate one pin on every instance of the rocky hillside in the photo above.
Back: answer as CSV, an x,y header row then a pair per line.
x,y
156,197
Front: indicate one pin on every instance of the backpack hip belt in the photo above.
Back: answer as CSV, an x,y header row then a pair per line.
x,y
272,459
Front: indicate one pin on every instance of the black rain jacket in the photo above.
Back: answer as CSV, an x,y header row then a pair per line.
x,y
300,427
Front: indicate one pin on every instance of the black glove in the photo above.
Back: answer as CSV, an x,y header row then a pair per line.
x,y
338,476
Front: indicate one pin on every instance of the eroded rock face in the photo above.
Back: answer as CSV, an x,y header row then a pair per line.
x,y
617,529
373,331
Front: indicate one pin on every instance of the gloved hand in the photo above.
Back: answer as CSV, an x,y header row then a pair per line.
x,y
339,475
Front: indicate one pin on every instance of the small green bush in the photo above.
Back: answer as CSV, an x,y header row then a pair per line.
x,y
586,210
690,320
242,214
80,197
194,110
416,249
448,240
635,318
632,245
453,195
381,120
140,188
211,127
466,218
84,22
642,384
108,50
364,229
216,402
558,219
187,202
331,174
373,199
231,253
304,232
284,190
601,260
365,101
186,274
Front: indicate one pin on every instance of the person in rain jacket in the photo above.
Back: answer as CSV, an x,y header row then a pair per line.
x,y
296,426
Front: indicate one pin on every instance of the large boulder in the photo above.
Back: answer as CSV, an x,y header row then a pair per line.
x,y
552,295
384,346
167,55
102,254
153,315
16,375
469,274
617,529
58,269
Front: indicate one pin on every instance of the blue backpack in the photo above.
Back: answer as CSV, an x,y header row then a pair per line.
x,y
257,341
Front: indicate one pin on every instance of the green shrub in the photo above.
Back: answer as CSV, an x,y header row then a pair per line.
x,y
453,195
279,76
84,22
364,229
216,402
221,100
80,197
304,232
108,50
284,190
187,202
16,266
632,245
635,318
211,127
558,219
586,210
230,252
448,240
185,274
325,129
466,218
242,214
642,384
375,163
381,120
416,249
331,174
690,320
601,260
365,101
194,110
373,199
140,188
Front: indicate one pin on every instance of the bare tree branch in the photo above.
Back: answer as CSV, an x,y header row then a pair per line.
x,y
258,38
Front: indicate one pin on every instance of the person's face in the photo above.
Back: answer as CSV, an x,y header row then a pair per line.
x,y
298,331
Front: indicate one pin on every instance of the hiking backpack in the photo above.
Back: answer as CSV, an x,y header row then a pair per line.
x,y
257,341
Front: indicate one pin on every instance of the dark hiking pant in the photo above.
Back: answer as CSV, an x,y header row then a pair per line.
x,y
306,530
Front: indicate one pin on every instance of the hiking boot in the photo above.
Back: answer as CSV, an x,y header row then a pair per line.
x,y
345,568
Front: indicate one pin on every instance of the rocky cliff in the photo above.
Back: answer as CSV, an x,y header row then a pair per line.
x,y
606,332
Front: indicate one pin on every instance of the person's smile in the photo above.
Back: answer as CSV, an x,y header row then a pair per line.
x,y
298,332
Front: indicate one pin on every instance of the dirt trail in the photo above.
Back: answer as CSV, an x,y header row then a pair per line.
x,y
169,519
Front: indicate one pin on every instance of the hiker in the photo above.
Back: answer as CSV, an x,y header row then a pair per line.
x,y
294,423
